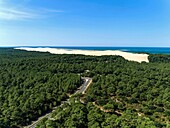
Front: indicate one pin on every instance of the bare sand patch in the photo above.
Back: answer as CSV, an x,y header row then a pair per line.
x,y
128,56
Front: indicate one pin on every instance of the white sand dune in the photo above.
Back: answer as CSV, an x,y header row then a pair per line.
x,y
129,56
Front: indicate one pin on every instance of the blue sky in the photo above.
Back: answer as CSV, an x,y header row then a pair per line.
x,y
85,23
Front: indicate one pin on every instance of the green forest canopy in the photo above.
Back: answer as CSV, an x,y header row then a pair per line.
x,y
123,93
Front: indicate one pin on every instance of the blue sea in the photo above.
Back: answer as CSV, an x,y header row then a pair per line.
x,y
151,50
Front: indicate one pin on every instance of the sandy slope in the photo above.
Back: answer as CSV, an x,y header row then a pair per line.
x,y
129,56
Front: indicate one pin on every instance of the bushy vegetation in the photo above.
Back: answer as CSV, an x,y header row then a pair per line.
x,y
159,58
78,115
30,85
123,93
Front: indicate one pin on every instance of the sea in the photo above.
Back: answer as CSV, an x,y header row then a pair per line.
x,y
148,50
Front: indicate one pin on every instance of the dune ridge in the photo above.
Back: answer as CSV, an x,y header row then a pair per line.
x,y
127,55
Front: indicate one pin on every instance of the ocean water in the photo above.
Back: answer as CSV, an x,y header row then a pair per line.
x,y
151,50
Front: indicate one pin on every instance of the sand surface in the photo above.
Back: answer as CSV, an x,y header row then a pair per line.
x,y
128,56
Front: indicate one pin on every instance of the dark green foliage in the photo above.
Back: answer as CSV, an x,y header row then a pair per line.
x,y
123,93
29,87
159,58
126,95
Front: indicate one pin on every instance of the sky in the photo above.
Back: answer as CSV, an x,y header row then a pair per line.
x,y
133,23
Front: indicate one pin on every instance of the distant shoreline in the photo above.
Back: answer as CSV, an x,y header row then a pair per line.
x,y
143,50
127,55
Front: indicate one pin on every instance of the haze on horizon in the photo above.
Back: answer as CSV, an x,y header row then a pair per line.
x,y
85,23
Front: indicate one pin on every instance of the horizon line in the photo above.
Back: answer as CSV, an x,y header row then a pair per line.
x,y
89,46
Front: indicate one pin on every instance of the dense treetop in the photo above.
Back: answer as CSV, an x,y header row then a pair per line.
x,y
123,93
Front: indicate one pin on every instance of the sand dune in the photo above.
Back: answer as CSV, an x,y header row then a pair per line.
x,y
129,56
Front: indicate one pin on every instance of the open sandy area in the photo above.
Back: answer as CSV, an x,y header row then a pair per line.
x,y
128,56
